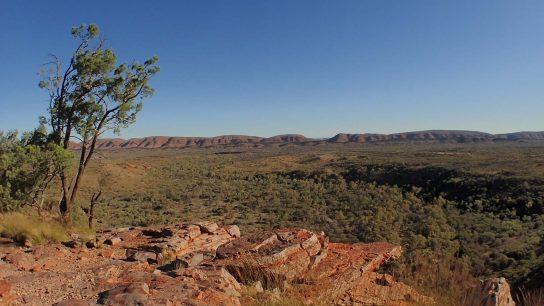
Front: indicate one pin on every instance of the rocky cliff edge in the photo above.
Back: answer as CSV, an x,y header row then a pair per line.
x,y
201,264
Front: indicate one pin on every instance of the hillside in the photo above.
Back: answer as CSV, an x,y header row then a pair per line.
x,y
433,136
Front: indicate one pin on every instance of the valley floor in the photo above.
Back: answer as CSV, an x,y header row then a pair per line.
x,y
477,209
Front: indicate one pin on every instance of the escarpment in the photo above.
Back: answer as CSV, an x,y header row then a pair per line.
x,y
201,264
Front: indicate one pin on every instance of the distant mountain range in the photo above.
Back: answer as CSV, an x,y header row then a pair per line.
x,y
433,136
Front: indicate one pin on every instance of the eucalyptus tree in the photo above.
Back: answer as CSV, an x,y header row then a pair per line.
x,y
88,96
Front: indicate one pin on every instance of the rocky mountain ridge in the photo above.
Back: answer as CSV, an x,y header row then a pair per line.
x,y
205,264
433,136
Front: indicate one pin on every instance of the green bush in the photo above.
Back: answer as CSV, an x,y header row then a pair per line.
x,y
27,166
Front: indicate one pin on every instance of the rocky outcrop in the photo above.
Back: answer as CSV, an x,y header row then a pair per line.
x,y
286,139
165,142
325,272
421,136
201,264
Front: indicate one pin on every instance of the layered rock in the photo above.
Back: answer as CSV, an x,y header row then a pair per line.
x,y
201,264
324,272
433,136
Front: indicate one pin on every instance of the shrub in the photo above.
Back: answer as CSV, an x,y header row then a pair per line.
x,y
27,166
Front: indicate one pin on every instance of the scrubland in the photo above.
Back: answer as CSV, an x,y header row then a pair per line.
x,y
460,211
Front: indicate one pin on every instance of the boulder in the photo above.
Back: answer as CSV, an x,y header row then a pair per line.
x,y
193,231
234,231
140,255
192,259
113,241
95,243
132,294
208,227
72,244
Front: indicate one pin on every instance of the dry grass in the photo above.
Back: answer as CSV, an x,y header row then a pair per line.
x,y
283,301
531,298
448,281
249,272
277,290
29,228
276,297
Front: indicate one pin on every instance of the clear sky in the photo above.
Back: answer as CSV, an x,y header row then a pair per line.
x,y
288,66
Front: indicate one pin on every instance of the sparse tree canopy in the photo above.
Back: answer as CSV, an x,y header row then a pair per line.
x,y
89,96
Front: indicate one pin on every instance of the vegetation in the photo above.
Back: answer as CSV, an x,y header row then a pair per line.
x,y
31,229
27,167
90,96
461,212
472,210
28,228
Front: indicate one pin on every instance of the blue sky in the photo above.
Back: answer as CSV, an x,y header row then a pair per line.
x,y
311,67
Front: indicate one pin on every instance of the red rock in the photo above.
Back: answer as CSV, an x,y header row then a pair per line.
x,y
132,294
215,260
312,245
234,231
193,231
208,227
107,253
142,256
72,302
5,288
192,259
113,241
334,270
21,260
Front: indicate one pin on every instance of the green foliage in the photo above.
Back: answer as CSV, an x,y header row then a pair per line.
x,y
92,95
440,208
27,166
500,194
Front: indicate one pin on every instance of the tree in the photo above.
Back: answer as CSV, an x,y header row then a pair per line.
x,y
90,96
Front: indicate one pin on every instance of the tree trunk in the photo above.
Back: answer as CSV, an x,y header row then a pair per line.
x,y
75,189
94,199
65,205
70,193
